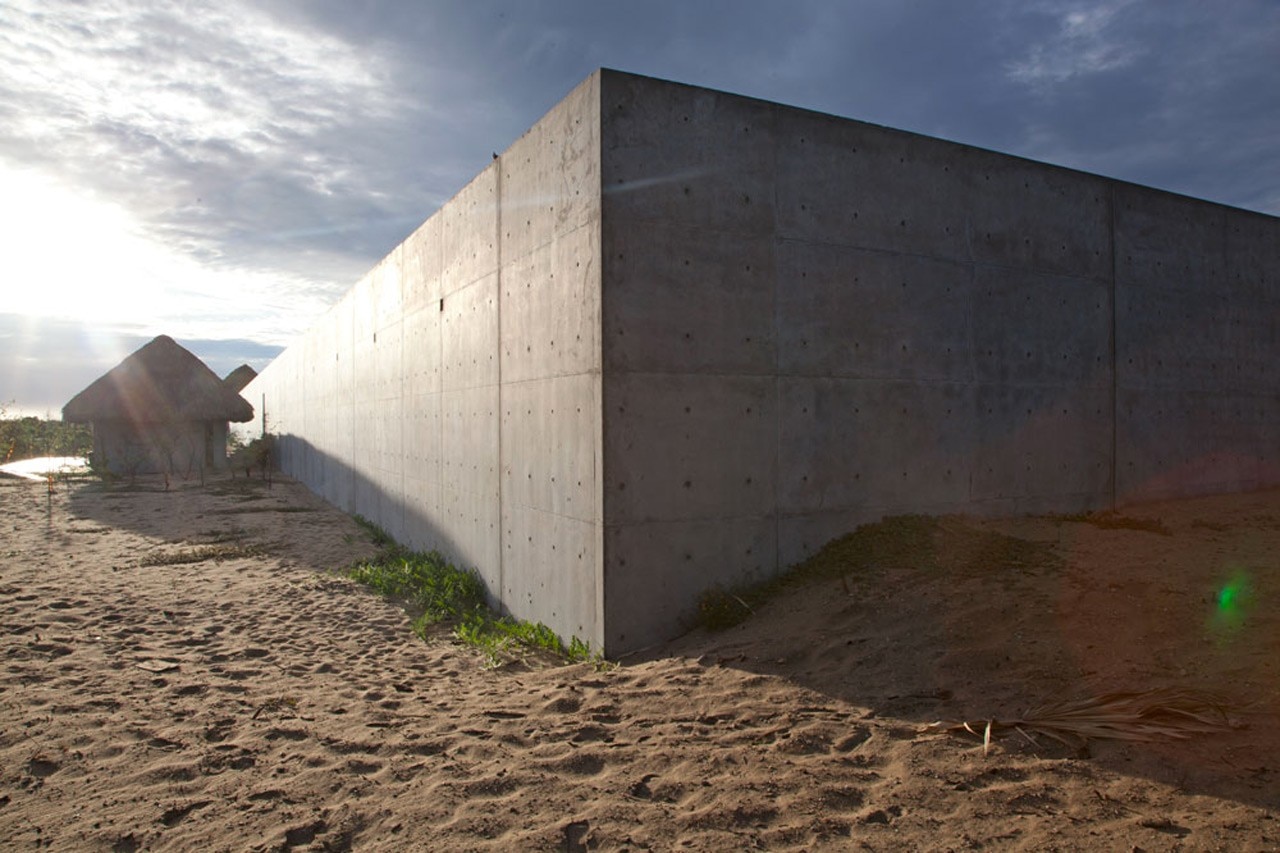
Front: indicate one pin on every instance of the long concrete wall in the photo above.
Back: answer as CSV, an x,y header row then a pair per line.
x,y
453,395
676,338
811,323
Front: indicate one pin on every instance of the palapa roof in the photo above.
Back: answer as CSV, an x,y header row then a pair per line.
x,y
161,382
240,377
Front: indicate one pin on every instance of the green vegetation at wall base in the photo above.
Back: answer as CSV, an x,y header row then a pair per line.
x,y
444,595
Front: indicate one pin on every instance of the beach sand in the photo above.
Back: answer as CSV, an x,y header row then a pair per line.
x,y
183,671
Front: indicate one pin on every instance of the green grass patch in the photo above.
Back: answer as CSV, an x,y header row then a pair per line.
x,y
199,555
946,546
243,510
445,596
427,581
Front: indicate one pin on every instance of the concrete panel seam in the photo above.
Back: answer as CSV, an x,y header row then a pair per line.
x,y
597,457
972,334
947,259
777,367
1115,407
497,212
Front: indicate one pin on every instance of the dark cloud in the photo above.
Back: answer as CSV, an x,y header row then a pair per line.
x,y
339,126
1182,94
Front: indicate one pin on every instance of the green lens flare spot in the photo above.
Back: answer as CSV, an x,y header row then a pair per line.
x,y
1232,603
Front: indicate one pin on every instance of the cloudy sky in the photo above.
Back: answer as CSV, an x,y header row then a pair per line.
x,y
222,172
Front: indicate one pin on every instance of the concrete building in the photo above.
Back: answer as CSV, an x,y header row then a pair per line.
x,y
674,338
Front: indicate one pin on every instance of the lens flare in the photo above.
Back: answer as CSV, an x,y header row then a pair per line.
x,y
1232,603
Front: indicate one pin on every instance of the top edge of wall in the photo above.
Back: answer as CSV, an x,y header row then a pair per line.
x,y
606,73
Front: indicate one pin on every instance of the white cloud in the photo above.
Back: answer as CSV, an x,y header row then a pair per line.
x,y
76,258
212,123
176,74
152,155
1084,44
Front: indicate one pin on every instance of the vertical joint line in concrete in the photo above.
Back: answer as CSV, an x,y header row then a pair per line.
x,y
499,594
971,342
601,567
1115,367
777,368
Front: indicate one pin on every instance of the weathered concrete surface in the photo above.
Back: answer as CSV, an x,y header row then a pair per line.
x,y
1198,333
453,395
842,321
675,338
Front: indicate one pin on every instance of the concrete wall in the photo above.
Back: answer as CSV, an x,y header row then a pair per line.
x,y
675,338
1197,338
811,323
453,395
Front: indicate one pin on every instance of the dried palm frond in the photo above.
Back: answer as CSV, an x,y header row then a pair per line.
x,y
1160,714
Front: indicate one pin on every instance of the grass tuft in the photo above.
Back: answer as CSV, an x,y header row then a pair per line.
x,y
425,580
443,595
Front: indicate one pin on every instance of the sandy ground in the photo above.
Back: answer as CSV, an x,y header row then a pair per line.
x,y
182,671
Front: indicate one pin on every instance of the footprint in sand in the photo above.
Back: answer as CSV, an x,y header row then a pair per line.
x,y
578,764
126,844
842,799
300,835
804,743
228,757
883,816
41,767
591,734
563,705
364,768
175,815
219,730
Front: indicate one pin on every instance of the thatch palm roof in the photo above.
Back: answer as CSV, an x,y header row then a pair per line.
x,y
240,377
161,382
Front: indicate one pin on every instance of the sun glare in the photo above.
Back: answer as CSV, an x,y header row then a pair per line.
x,y
67,256
73,257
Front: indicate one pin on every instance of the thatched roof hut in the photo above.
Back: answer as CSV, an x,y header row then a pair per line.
x,y
159,410
237,379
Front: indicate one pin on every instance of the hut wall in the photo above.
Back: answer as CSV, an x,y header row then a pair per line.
x,y
679,338
180,449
